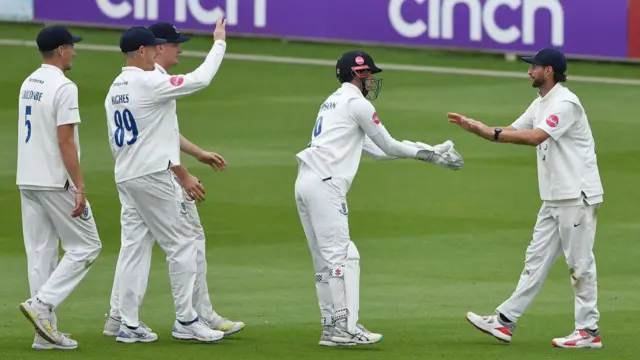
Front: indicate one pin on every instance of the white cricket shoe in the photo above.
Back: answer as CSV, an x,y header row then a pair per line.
x,y
493,326
129,336
360,336
579,339
40,315
225,325
325,338
40,343
197,330
112,326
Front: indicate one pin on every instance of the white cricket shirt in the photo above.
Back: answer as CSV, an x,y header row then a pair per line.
x,y
141,115
162,70
47,100
567,162
344,121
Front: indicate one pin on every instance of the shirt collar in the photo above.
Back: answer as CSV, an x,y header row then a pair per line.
x,y
161,69
132,68
554,90
47,66
350,87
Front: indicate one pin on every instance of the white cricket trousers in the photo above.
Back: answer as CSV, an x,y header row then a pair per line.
x,y
191,228
322,207
151,209
570,230
46,218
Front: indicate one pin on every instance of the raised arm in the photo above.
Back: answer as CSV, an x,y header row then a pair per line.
x,y
165,87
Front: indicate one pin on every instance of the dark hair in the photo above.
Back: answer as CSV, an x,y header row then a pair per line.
x,y
559,77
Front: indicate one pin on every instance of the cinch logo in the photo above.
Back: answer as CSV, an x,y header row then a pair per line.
x,y
440,21
148,10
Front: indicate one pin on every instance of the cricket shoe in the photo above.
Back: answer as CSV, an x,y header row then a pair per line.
x,y
579,339
493,326
40,343
227,326
112,326
40,315
197,330
360,336
126,335
325,338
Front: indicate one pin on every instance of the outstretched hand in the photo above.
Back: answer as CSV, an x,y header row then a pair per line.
x,y
442,154
470,125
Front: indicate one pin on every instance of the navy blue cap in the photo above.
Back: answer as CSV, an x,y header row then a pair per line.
x,y
52,37
549,57
136,37
169,32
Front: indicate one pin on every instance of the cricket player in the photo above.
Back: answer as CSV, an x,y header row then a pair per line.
x,y
571,192
166,58
347,125
52,188
145,142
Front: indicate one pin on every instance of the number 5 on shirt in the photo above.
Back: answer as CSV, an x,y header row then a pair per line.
x,y
124,123
27,122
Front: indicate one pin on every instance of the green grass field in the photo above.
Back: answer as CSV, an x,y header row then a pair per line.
x,y
434,243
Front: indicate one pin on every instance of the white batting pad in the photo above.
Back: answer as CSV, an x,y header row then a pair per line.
x,y
324,298
344,283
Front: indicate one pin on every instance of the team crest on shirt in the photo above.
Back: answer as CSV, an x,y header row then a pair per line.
x,y
553,120
176,80
86,213
183,209
375,118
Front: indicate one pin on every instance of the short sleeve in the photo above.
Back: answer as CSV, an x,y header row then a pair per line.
x,y
365,115
559,119
525,121
66,102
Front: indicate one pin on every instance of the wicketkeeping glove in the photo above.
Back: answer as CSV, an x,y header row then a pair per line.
x,y
442,154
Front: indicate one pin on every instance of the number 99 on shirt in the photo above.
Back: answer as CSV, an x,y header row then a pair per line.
x,y
125,123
